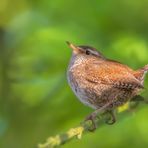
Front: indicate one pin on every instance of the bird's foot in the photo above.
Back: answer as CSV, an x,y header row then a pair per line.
x,y
112,118
92,117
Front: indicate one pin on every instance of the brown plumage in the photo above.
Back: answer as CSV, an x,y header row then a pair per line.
x,y
101,83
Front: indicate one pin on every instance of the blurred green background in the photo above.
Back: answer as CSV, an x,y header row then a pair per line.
x,y
35,99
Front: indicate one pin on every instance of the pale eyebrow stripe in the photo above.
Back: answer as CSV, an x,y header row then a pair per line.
x,y
93,52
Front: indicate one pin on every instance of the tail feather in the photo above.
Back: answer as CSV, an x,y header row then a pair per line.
x,y
140,73
145,68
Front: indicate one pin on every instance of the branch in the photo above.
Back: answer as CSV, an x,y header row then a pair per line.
x,y
77,132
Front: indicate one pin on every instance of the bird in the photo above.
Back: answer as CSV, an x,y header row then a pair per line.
x,y
101,83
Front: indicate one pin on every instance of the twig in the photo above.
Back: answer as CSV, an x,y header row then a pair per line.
x,y
77,132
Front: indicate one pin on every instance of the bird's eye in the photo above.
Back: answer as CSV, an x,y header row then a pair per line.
x,y
87,52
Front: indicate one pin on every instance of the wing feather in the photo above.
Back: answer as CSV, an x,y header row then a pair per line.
x,y
112,73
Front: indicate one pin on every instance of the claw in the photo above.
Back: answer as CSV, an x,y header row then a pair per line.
x,y
112,119
92,117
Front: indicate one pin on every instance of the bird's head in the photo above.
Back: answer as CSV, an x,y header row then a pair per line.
x,y
84,50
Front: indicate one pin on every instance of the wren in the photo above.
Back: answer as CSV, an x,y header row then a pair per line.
x,y
101,83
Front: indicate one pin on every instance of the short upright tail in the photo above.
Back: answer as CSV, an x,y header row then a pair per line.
x,y
145,68
140,73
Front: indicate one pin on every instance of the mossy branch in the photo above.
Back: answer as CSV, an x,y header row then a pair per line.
x,y
77,132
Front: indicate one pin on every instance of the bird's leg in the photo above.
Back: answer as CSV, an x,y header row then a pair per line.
x,y
112,118
93,116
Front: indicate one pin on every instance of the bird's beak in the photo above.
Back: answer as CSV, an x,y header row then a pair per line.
x,y
73,47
